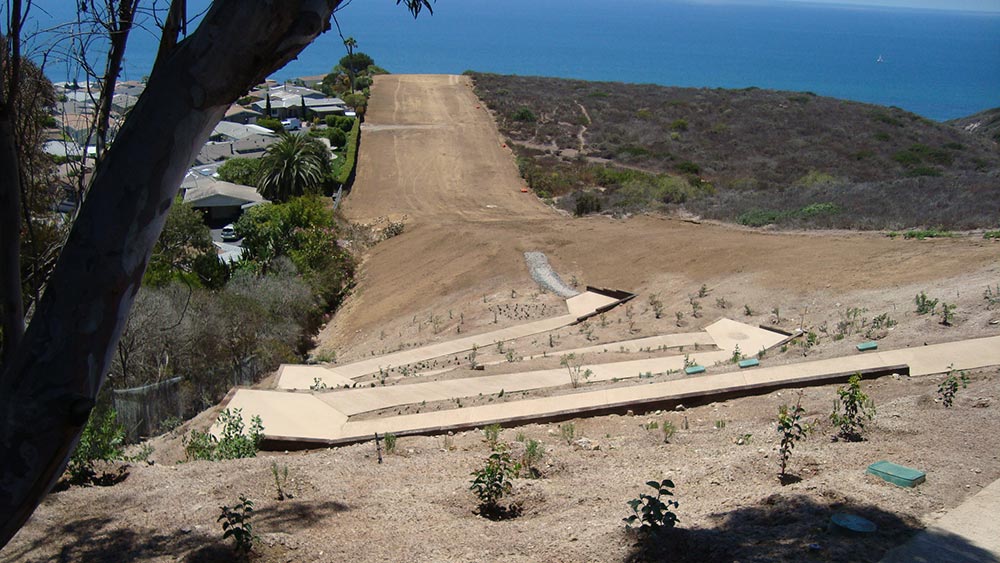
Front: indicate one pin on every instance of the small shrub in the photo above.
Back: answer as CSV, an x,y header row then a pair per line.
x,y
925,305
233,444
492,435
567,431
390,442
851,409
679,125
947,313
688,167
651,514
792,429
949,387
523,114
921,234
586,203
237,524
534,451
995,235
317,384
668,431
992,296
103,439
492,482
280,475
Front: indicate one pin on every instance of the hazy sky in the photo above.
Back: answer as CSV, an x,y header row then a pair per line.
x,y
964,5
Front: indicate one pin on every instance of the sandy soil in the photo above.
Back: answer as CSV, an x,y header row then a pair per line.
x,y
429,154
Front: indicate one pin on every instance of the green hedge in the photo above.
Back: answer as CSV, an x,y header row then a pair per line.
x,y
351,157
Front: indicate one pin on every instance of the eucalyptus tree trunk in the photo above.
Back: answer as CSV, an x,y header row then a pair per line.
x,y
50,381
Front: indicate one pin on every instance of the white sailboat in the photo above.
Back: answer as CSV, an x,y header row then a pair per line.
x,y
880,59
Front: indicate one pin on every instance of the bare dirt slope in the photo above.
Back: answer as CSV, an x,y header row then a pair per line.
x,y
431,151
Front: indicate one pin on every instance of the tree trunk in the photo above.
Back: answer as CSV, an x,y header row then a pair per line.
x,y
50,386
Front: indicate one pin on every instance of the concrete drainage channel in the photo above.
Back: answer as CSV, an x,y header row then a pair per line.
x,y
543,274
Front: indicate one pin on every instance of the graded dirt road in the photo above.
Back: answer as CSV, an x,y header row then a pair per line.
x,y
430,151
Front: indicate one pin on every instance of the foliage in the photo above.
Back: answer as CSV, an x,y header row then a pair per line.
x,y
280,475
185,252
992,296
851,409
272,124
651,513
492,435
792,429
233,444
587,203
390,442
493,481
574,366
523,113
103,439
921,234
303,230
351,156
949,387
294,165
237,523
239,170
567,431
925,305
356,62
668,431
534,451
947,313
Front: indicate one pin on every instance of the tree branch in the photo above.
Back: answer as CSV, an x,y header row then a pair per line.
x,y
50,386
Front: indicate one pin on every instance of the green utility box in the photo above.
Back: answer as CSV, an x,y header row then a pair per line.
x,y
691,370
749,363
897,474
865,346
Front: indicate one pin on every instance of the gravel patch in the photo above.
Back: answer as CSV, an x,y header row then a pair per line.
x,y
545,276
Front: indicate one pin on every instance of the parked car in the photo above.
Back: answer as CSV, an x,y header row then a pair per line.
x,y
229,233
291,124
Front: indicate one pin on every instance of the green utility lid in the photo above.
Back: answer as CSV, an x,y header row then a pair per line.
x,y
691,370
865,346
749,363
897,474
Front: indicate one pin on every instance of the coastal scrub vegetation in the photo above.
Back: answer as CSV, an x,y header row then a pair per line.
x,y
751,156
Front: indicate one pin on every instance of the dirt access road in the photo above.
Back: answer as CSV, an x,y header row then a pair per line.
x,y
431,151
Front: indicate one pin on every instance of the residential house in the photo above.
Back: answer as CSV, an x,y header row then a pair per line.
x,y
220,201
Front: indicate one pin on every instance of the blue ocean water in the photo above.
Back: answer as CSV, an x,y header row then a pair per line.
x,y
940,64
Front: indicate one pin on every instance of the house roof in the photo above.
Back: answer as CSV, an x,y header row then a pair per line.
x,y
237,109
251,146
238,131
221,194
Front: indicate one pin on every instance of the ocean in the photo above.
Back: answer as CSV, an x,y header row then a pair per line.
x,y
939,64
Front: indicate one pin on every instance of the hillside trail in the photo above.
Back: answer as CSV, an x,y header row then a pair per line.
x,y
431,151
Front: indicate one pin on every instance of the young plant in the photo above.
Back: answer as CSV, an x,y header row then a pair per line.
x,y
534,451
747,311
947,313
656,304
668,431
567,432
792,429
280,475
237,524
851,409
949,387
473,354
317,385
925,305
390,442
652,514
103,439
492,482
737,355
575,368
492,435
233,444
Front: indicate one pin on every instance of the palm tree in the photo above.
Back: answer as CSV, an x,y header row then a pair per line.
x,y
292,166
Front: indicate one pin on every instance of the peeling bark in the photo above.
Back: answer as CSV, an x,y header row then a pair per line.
x,y
50,385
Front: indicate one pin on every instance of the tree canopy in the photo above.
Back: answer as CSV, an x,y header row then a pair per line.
x,y
296,164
